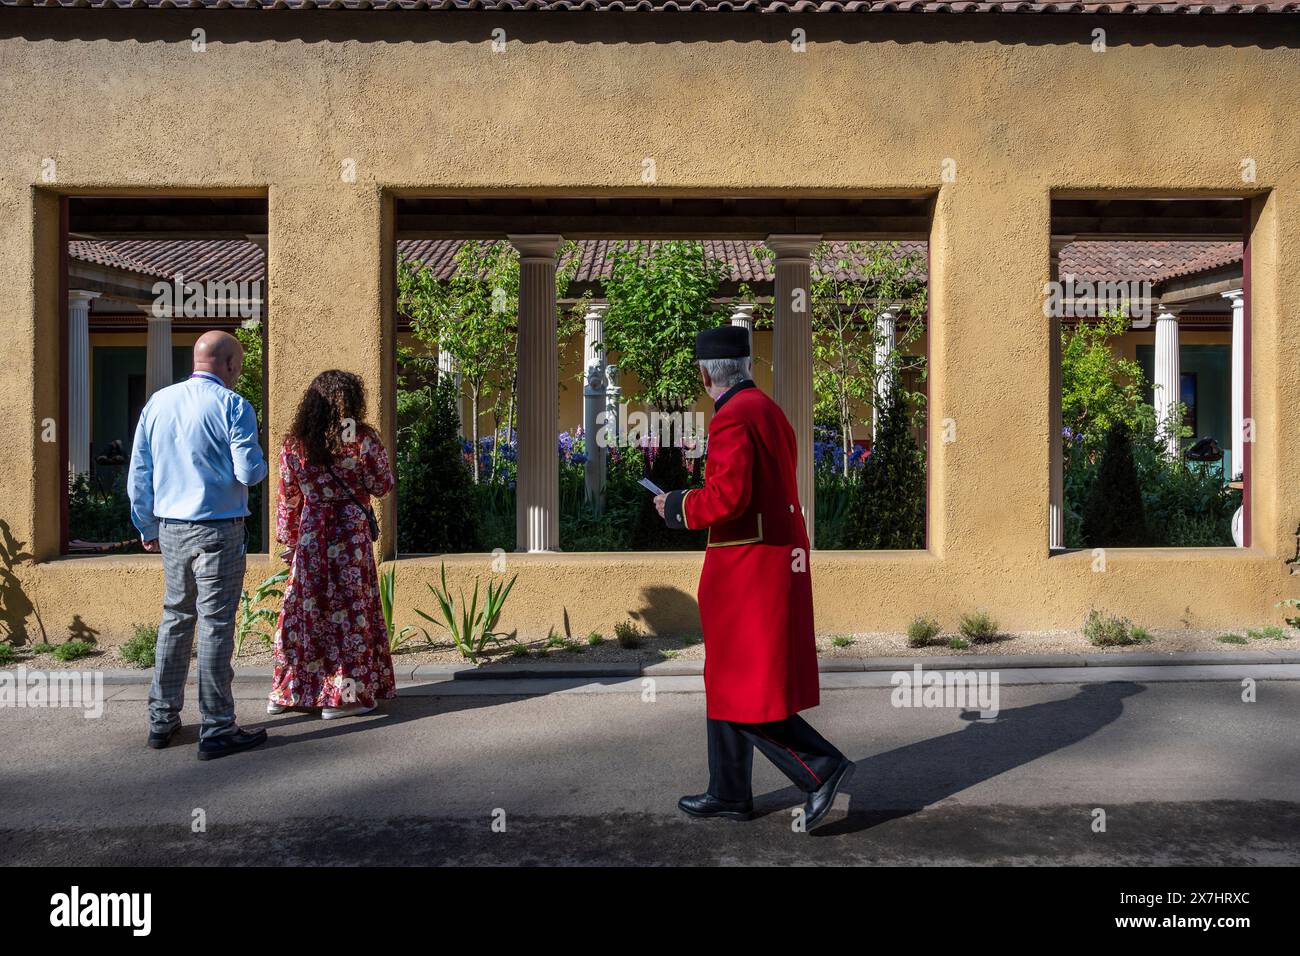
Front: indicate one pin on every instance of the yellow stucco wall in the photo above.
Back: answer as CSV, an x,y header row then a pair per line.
x,y
1023,105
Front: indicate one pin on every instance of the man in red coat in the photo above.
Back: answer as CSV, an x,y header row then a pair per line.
x,y
755,594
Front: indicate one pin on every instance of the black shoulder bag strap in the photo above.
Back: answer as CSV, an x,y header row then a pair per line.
x,y
369,512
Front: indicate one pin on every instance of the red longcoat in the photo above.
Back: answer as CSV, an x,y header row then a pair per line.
x,y
755,590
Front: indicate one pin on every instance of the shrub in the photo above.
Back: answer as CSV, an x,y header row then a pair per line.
x,y
1112,514
140,649
628,634
250,618
73,650
958,644
595,638
1231,639
42,648
1270,633
1108,630
889,503
922,631
977,627
7,655
436,502
472,626
841,640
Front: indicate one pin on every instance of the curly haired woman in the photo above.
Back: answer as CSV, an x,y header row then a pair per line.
x,y
331,645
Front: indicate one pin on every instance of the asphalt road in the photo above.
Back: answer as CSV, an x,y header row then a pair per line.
x,y
1185,772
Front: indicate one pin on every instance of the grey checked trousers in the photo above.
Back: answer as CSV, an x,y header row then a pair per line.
x,y
203,576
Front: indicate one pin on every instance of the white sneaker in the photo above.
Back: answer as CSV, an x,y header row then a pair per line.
x,y
273,708
347,710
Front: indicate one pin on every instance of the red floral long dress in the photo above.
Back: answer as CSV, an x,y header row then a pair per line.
x,y
331,645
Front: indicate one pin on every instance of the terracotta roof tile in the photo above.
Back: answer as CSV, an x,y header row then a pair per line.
x,y
203,259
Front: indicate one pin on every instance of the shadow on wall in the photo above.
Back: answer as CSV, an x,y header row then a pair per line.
x,y
668,612
15,606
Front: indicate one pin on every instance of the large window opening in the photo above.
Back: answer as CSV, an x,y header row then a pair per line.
x,y
612,293
1148,302
144,278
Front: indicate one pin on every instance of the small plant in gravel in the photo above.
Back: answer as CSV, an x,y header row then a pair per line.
x,y
958,644
977,627
841,640
595,638
73,650
519,650
1110,630
7,655
923,631
670,654
1269,633
628,634
1231,639
42,648
140,649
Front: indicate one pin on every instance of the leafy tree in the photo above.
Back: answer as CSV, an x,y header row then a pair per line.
x,y
1098,386
660,296
1113,515
889,507
474,315
250,378
852,284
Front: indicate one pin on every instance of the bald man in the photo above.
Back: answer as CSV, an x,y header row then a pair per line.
x,y
193,456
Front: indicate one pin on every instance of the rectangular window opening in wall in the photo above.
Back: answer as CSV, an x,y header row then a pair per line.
x,y
143,278
1148,306
567,326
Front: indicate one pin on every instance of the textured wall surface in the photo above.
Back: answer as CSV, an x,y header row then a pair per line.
x,y
121,102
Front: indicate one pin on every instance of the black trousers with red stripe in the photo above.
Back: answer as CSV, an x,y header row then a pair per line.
x,y
802,754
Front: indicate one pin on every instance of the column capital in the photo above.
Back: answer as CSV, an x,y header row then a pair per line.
x,y
742,312
537,246
797,246
597,310
1168,312
1234,295
82,295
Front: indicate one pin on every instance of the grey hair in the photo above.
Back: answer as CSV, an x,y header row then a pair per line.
x,y
726,372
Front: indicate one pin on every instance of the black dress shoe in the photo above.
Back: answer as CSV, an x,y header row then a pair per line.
x,y
707,805
231,743
822,799
158,739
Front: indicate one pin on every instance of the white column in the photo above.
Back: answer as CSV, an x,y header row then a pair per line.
x,y
448,366
1167,376
537,509
158,360
742,314
792,357
886,340
79,381
593,403
1238,444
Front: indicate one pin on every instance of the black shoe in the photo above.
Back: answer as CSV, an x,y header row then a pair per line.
x,y
822,799
231,743
158,739
707,805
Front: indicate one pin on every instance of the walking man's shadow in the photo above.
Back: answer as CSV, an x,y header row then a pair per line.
x,y
902,781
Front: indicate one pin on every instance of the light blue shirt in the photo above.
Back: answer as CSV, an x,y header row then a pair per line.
x,y
194,455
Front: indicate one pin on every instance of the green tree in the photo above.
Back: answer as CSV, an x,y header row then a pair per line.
x,y
1099,387
1113,515
660,295
852,284
436,509
888,510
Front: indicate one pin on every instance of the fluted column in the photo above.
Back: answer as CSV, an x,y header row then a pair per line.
x,y
79,381
158,357
742,314
1238,381
792,353
593,403
886,341
1167,376
537,509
